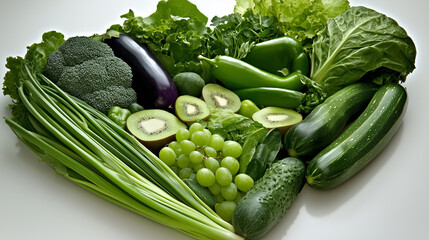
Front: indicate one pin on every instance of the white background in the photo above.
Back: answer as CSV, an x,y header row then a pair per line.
x,y
389,199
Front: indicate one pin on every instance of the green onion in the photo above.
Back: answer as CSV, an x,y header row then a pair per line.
x,y
87,148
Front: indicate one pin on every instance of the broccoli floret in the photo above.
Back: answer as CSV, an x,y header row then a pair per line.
x,y
89,70
119,72
55,66
77,50
103,100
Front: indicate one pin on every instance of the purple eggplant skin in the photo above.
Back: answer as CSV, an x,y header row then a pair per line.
x,y
154,86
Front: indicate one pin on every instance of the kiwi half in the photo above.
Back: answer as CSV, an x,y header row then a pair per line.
x,y
154,127
219,97
190,109
275,117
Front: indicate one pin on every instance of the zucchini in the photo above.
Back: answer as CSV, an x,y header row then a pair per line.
x,y
269,199
203,193
266,153
327,120
362,141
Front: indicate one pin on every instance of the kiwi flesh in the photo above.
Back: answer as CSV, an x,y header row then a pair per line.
x,y
154,127
190,109
275,117
219,97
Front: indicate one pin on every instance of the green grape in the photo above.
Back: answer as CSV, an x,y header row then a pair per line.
x,y
196,157
232,149
185,172
197,167
216,142
176,147
207,132
223,176
229,192
182,134
225,210
167,155
187,146
183,161
215,189
211,164
211,152
231,163
238,197
195,127
218,198
200,138
192,176
243,182
205,177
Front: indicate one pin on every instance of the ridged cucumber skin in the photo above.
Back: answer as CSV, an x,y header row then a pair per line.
x,y
362,141
327,120
269,199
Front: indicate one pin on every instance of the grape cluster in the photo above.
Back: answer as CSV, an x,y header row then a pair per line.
x,y
210,161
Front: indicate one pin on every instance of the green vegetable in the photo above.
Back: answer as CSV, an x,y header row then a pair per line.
x,y
135,107
175,34
89,71
232,126
362,141
300,19
236,34
358,42
281,56
265,154
326,121
119,115
189,83
236,74
248,108
86,147
270,96
203,193
269,200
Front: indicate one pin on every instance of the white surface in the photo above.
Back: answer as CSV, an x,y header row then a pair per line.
x,y
387,200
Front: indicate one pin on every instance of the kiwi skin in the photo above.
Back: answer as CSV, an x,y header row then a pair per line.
x,y
184,101
154,141
292,117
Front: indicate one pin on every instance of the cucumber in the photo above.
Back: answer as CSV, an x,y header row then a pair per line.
x,y
203,193
271,197
362,141
327,120
265,154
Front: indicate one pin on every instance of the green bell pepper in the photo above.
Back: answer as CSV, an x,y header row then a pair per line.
x,y
119,115
248,108
281,56
135,107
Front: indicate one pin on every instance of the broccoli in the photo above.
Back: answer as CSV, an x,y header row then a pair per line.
x,y
111,96
90,71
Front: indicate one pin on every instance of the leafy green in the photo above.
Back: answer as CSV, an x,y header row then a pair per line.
x,y
361,42
300,19
235,34
36,57
231,126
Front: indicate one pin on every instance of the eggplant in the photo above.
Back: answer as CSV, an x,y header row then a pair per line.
x,y
154,86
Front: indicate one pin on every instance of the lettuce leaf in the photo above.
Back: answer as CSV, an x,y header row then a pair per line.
x,y
301,19
361,43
